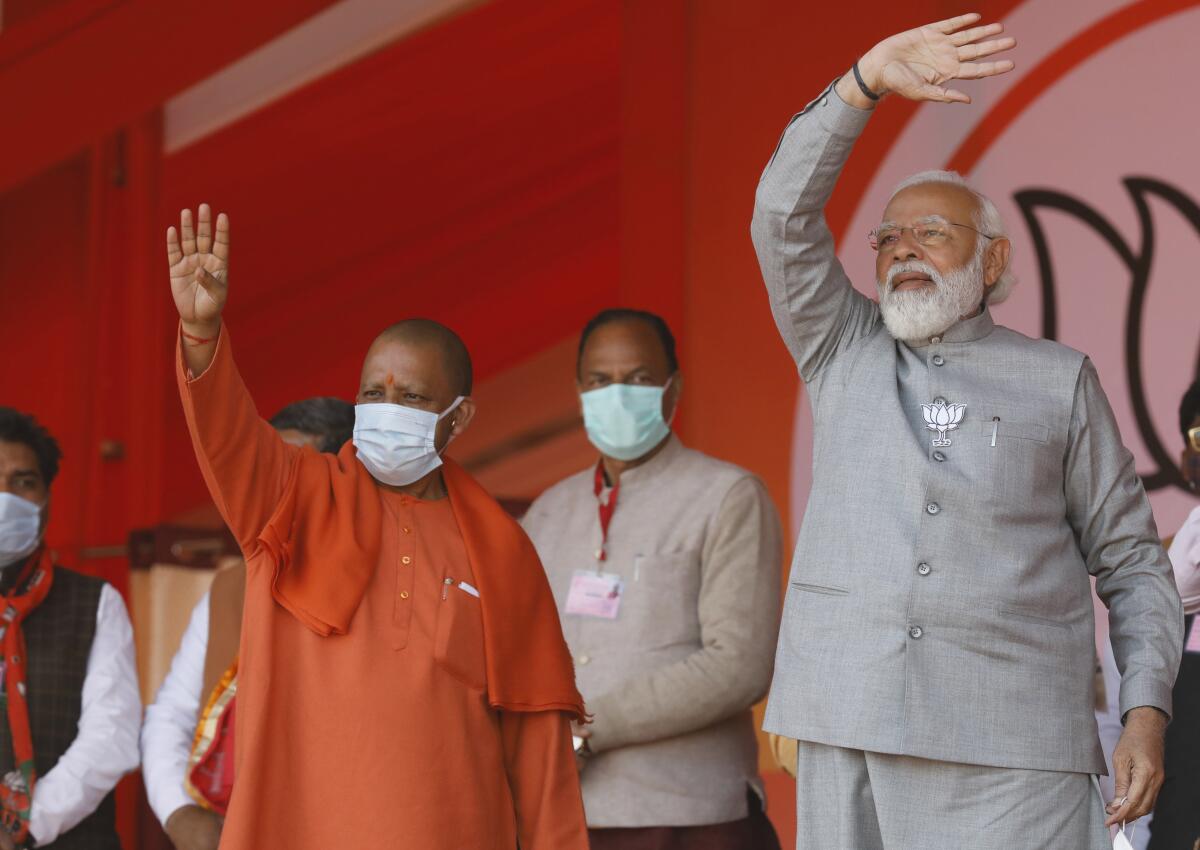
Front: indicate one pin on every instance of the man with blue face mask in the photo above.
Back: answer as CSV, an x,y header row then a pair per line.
x,y
69,702
665,566
402,680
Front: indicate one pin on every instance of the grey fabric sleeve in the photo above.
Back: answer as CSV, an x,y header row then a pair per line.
x,y
1108,509
816,309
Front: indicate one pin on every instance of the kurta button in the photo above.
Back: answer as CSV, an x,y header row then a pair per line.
x,y
404,594
938,360
584,659
932,508
407,530
915,632
940,400
406,560
935,340
923,569
939,456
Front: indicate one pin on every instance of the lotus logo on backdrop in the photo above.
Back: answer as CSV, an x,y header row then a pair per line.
x,y
1140,268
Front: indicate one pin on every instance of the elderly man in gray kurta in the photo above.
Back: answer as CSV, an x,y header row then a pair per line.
x,y
936,653
665,565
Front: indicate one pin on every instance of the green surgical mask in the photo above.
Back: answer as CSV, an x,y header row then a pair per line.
x,y
625,421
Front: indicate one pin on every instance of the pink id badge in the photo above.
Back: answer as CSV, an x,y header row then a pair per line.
x,y
594,594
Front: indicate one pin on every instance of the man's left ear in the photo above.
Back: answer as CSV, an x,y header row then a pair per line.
x,y
995,261
461,418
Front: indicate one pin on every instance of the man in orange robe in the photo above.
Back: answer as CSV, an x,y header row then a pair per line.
x,y
403,678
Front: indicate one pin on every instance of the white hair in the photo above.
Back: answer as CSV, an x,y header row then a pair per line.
x,y
920,314
987,220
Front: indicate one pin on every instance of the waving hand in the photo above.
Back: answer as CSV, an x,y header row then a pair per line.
x,y
199,281
918,63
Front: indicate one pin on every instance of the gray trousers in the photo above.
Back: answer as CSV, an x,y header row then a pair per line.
x,y
855,800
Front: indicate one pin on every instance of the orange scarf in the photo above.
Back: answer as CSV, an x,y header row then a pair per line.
x,y
16,791
324,539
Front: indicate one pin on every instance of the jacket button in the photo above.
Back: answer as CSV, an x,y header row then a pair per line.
x,y
939,456
584,659
940,400
923,569
938,360
932,508
915,632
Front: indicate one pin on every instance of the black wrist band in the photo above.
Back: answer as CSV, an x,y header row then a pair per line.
x,y
863,86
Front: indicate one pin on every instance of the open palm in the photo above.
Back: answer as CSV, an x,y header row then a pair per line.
x,y
916,63
199,267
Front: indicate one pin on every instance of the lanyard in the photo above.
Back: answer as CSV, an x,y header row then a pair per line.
x,y
606,510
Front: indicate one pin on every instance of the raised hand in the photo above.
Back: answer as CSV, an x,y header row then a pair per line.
x,y
199,270
200,283
917,63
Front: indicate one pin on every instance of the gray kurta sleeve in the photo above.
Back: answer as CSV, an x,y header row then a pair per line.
x,y
1108,509
816,309
739,621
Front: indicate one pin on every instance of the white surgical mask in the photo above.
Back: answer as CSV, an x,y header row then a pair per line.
x,y
1120,841
395,443
20,528
625,420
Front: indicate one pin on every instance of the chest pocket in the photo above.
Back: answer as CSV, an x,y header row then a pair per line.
x,y
1005,430
662,593
1015,464
458,640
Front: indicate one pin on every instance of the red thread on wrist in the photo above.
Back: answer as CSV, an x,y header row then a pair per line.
x,y
196,340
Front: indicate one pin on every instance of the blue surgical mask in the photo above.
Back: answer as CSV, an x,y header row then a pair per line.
x,y
625,421
20,528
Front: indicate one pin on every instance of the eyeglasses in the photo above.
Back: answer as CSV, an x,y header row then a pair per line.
x,y
1193,438
930,234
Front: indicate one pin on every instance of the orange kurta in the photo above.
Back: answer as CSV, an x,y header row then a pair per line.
x,y
383,736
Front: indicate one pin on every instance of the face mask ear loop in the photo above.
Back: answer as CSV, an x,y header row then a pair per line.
x,y
446,413
43,520
675,407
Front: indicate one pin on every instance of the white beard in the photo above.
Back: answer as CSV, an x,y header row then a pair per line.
x,y
916,315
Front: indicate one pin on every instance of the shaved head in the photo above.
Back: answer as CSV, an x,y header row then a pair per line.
x,y
451,349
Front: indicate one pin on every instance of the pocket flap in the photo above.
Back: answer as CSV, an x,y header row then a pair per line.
x,y
1015,430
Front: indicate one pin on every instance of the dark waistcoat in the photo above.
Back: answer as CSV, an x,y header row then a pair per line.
x,y
58,640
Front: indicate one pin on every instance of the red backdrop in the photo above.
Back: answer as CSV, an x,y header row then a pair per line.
x,y
509,171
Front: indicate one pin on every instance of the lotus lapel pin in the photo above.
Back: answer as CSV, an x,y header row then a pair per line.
x,y
942,417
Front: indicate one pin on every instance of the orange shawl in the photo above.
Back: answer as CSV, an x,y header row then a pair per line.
x,y
324,539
